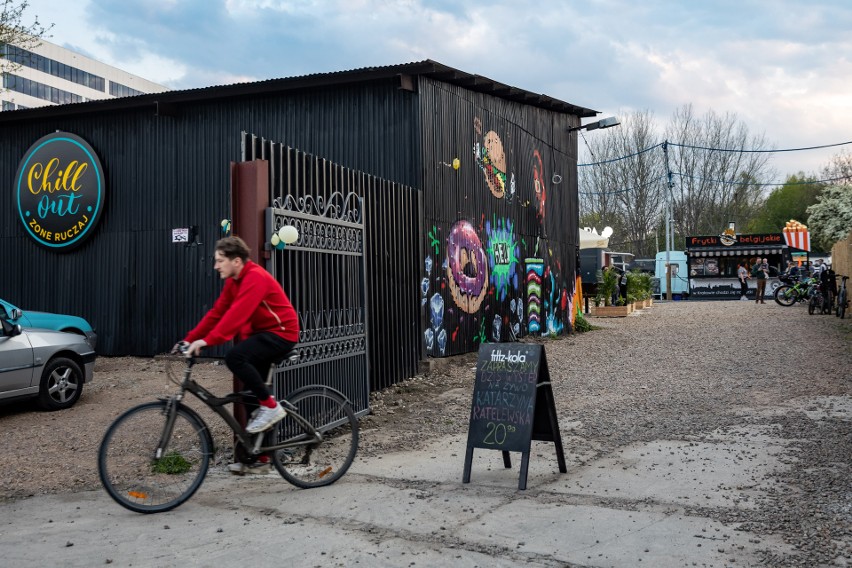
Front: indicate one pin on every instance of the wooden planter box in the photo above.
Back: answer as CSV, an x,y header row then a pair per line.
x,y
612,311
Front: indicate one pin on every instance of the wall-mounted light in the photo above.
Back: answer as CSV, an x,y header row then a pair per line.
x,y
608,122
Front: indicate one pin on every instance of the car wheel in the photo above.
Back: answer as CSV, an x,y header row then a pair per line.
x,y
61,384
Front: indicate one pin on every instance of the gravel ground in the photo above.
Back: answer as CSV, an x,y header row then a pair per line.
x,y
680,371
676,371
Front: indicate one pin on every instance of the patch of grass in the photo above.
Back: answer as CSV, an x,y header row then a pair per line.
x,y
581,324
172,463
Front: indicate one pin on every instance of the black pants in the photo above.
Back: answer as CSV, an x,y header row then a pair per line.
x,y
251,359
743,287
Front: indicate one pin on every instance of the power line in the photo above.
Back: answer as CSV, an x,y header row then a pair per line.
x,y
621,158
708,148
810,182
635,187
742,151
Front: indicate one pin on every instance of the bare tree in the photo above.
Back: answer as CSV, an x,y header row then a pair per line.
x,y
14,32
718,170
839,169
625,186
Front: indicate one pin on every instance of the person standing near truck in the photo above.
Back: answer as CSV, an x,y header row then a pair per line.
x,y
760,271
742,275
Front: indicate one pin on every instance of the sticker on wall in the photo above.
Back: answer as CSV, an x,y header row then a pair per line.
x,y
60,191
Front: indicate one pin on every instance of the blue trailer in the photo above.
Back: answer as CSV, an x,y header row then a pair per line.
x,y
680,275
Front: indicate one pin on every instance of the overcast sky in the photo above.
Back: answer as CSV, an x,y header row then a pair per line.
x,y
784,67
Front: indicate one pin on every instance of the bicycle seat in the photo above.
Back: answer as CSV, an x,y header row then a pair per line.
x,y
292,357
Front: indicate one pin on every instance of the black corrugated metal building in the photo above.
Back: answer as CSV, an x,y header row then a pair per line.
x,y
495,166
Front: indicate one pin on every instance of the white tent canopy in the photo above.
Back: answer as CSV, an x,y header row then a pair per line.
x,y
589,238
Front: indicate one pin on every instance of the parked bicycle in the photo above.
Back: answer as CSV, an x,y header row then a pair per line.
x,y
842,299
818,302
793,290
155,456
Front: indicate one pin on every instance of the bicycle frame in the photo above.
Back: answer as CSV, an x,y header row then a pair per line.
x,y
252,442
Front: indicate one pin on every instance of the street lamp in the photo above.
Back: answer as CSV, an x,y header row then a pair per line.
x,y
608,122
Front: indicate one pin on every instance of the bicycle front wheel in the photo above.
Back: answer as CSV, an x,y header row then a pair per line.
x,y
322,463
841,305
135,477
786,295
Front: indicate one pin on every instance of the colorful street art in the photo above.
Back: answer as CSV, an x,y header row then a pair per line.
x,y
492,273
503,254
491,159
539,183
467,267
535,274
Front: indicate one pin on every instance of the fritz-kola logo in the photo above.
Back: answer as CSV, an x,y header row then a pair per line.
x,y
60,190
508,357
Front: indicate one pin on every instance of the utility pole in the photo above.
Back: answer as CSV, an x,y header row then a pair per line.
x,y
669,228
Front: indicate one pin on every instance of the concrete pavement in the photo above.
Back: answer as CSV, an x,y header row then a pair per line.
x,y
654,504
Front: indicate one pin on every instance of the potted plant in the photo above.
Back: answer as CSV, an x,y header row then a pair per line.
x,y
607,288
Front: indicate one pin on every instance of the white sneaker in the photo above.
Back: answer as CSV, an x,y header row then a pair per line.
x,y
257,468
743,298
265,418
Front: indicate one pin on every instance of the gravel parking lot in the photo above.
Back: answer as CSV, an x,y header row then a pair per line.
x,y
682,373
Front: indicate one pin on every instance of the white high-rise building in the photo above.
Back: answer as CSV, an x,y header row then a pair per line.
x,y
50,75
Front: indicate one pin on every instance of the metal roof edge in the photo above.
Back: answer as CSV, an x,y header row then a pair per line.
x,y
428,68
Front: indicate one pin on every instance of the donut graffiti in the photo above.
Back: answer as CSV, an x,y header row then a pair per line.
x,y
467,267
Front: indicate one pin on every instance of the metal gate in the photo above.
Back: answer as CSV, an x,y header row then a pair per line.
x,y
323,273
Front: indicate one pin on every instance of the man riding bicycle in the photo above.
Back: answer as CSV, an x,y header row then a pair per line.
x,y
254,309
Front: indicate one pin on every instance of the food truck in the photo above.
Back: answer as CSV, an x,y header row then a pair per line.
x,y
712,261
680,280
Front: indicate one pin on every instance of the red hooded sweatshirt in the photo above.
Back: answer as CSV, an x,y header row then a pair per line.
x,y
251,303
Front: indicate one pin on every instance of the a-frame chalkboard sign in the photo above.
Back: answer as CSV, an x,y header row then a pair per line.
x,y
512,405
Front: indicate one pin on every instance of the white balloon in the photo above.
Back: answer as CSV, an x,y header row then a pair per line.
x,y
288,234
275,240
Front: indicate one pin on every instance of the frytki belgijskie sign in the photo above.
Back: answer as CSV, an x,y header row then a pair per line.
x,y
59,190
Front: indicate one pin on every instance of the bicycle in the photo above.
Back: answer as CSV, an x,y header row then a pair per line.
x,y
842,299
817,302
793,291
155,456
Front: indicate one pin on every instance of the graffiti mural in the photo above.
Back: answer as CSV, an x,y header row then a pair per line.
x,y
491,159
493,273
503,252
535,275
539,184
467,267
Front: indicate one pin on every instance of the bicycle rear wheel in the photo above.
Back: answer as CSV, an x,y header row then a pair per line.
x,y
134,477
323,463
786,295
841,305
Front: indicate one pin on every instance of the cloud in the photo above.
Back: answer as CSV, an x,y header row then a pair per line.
x,y
780,65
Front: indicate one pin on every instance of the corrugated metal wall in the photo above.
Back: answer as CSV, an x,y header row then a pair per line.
x,y
498,235
501,230
139,290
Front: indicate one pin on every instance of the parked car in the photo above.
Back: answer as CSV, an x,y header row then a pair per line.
x,y
45,320
51,366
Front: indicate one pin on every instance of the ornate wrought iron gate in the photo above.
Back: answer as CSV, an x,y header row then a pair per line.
x,y
323,273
